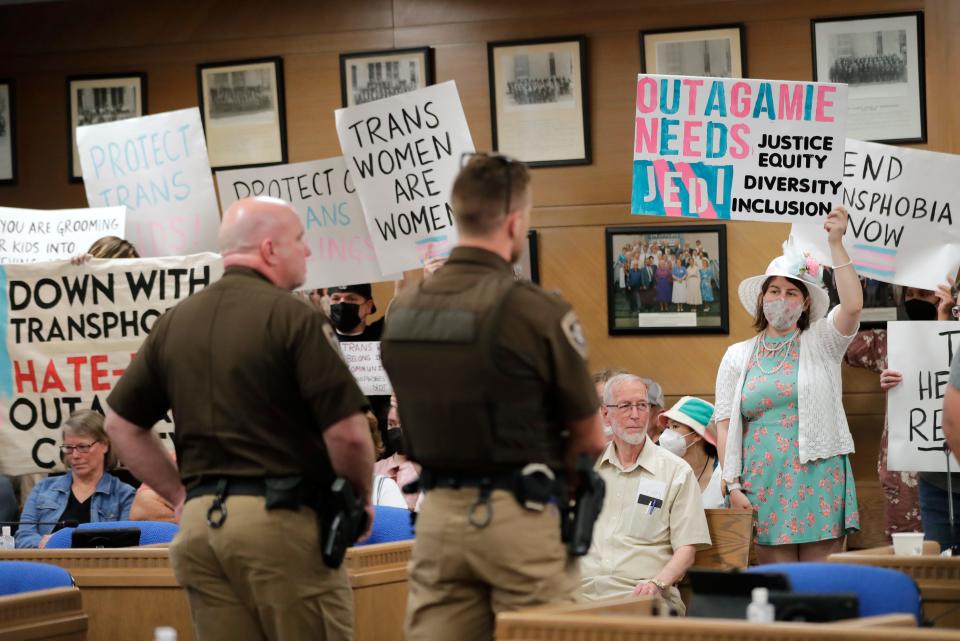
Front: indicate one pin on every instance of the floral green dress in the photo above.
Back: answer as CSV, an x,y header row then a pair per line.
x,y
793,502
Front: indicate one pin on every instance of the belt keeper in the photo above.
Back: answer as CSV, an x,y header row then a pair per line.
x,y
483,499
218,505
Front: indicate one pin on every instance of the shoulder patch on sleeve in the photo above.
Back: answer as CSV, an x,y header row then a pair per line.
x,y
572,329
332,339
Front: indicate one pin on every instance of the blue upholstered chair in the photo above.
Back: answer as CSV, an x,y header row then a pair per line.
x,y
151,532
25,576
390,524
880,590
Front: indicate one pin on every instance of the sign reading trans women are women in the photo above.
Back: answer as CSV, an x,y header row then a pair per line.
x,y
738,149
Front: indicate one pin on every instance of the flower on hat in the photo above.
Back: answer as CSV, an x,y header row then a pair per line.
x,y
811,266
801,263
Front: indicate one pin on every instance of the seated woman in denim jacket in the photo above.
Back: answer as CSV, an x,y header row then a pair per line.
x,y
85,494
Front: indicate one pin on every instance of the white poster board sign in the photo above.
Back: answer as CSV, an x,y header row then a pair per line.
x,y
737,149
404,152
363,359
322,192
922,352
901,203
156,166
69,334
35,235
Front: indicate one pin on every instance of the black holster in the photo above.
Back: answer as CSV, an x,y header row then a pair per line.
x,y
578,518
342,520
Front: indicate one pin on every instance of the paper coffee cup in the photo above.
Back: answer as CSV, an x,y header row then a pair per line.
x,y
908,543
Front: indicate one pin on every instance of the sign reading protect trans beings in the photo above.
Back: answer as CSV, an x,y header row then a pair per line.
x,y
403,153
737,149
68,332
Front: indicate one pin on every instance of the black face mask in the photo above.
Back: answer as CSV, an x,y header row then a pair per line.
x,y
395,441
345,316
920,310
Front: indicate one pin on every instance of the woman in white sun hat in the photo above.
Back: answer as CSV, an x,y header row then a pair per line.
x,y
689,432
781,429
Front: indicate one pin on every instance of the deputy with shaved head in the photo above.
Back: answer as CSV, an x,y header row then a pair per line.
x,y
267,415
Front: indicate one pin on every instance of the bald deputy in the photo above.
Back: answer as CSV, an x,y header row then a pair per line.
x,y
267,415
496,402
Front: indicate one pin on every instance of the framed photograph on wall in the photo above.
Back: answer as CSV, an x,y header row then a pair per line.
x,y
92,100
716,51
882,301
243,112
8,134
528,267
880,57
670,279
366,76
539,100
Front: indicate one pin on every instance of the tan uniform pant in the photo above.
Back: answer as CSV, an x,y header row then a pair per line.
x,y
461,576
260,577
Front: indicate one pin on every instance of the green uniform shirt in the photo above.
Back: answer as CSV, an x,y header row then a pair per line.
x,y
253,377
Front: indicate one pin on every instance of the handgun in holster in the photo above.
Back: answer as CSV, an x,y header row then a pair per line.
x,y
581,513
343,524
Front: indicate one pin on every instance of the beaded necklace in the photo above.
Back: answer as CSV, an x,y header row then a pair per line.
x,y
783,350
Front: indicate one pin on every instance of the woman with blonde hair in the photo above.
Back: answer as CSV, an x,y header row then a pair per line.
x,y
86,493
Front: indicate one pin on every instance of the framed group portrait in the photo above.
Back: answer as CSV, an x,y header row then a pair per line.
x,y
244,118
539,103
669,279
880,58
8,134
882,301
715,51
96,99
366,76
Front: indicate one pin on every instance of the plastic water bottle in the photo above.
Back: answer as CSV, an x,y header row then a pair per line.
x,y
7,541
164,634
760,610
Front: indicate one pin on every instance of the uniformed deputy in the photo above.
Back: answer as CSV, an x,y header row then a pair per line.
x,y
495,398
267,414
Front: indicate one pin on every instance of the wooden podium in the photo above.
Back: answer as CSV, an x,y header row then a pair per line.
x,y
43,615
937,577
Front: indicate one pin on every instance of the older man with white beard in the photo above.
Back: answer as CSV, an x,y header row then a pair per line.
x,y
652,521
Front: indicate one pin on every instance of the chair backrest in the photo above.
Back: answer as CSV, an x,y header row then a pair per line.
x,y
26,576
151,532
880,590
390,524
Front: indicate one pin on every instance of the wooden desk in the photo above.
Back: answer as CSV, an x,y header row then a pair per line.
x,y
115,582
44,615
938,578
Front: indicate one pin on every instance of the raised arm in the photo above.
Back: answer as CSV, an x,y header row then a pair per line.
x,y
847,317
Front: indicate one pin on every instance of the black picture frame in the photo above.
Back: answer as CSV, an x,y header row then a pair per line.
x,y
731,29
883,131
654,315
533,148
528,266
8,130
882,301
270,130
425,77
104,88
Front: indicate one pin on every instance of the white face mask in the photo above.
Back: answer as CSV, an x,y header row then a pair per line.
x,y
782,314
674,443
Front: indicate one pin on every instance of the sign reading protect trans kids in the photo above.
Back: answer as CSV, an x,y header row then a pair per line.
x,y
737,149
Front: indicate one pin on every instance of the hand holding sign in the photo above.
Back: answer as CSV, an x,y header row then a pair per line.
x,y
836,225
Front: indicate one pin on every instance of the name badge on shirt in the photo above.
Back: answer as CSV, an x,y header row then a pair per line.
x,y
651,493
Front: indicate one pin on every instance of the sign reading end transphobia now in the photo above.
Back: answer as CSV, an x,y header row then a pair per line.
x,y
155,166
404,152
901,203
922,351
322,192
34,235
737,149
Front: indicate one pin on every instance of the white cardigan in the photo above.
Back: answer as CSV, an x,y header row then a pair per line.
x,y
823,425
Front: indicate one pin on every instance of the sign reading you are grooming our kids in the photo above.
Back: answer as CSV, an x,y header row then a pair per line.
x,y
157,167
403,154
738,149
322,192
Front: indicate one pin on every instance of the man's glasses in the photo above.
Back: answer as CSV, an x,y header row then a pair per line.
x,y
83,448
640,406
507,163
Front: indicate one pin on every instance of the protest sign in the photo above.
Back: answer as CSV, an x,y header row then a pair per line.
x,y
922,352
404,153
363,359
322,192
901,203
36,235
157,167
69,331
737,149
